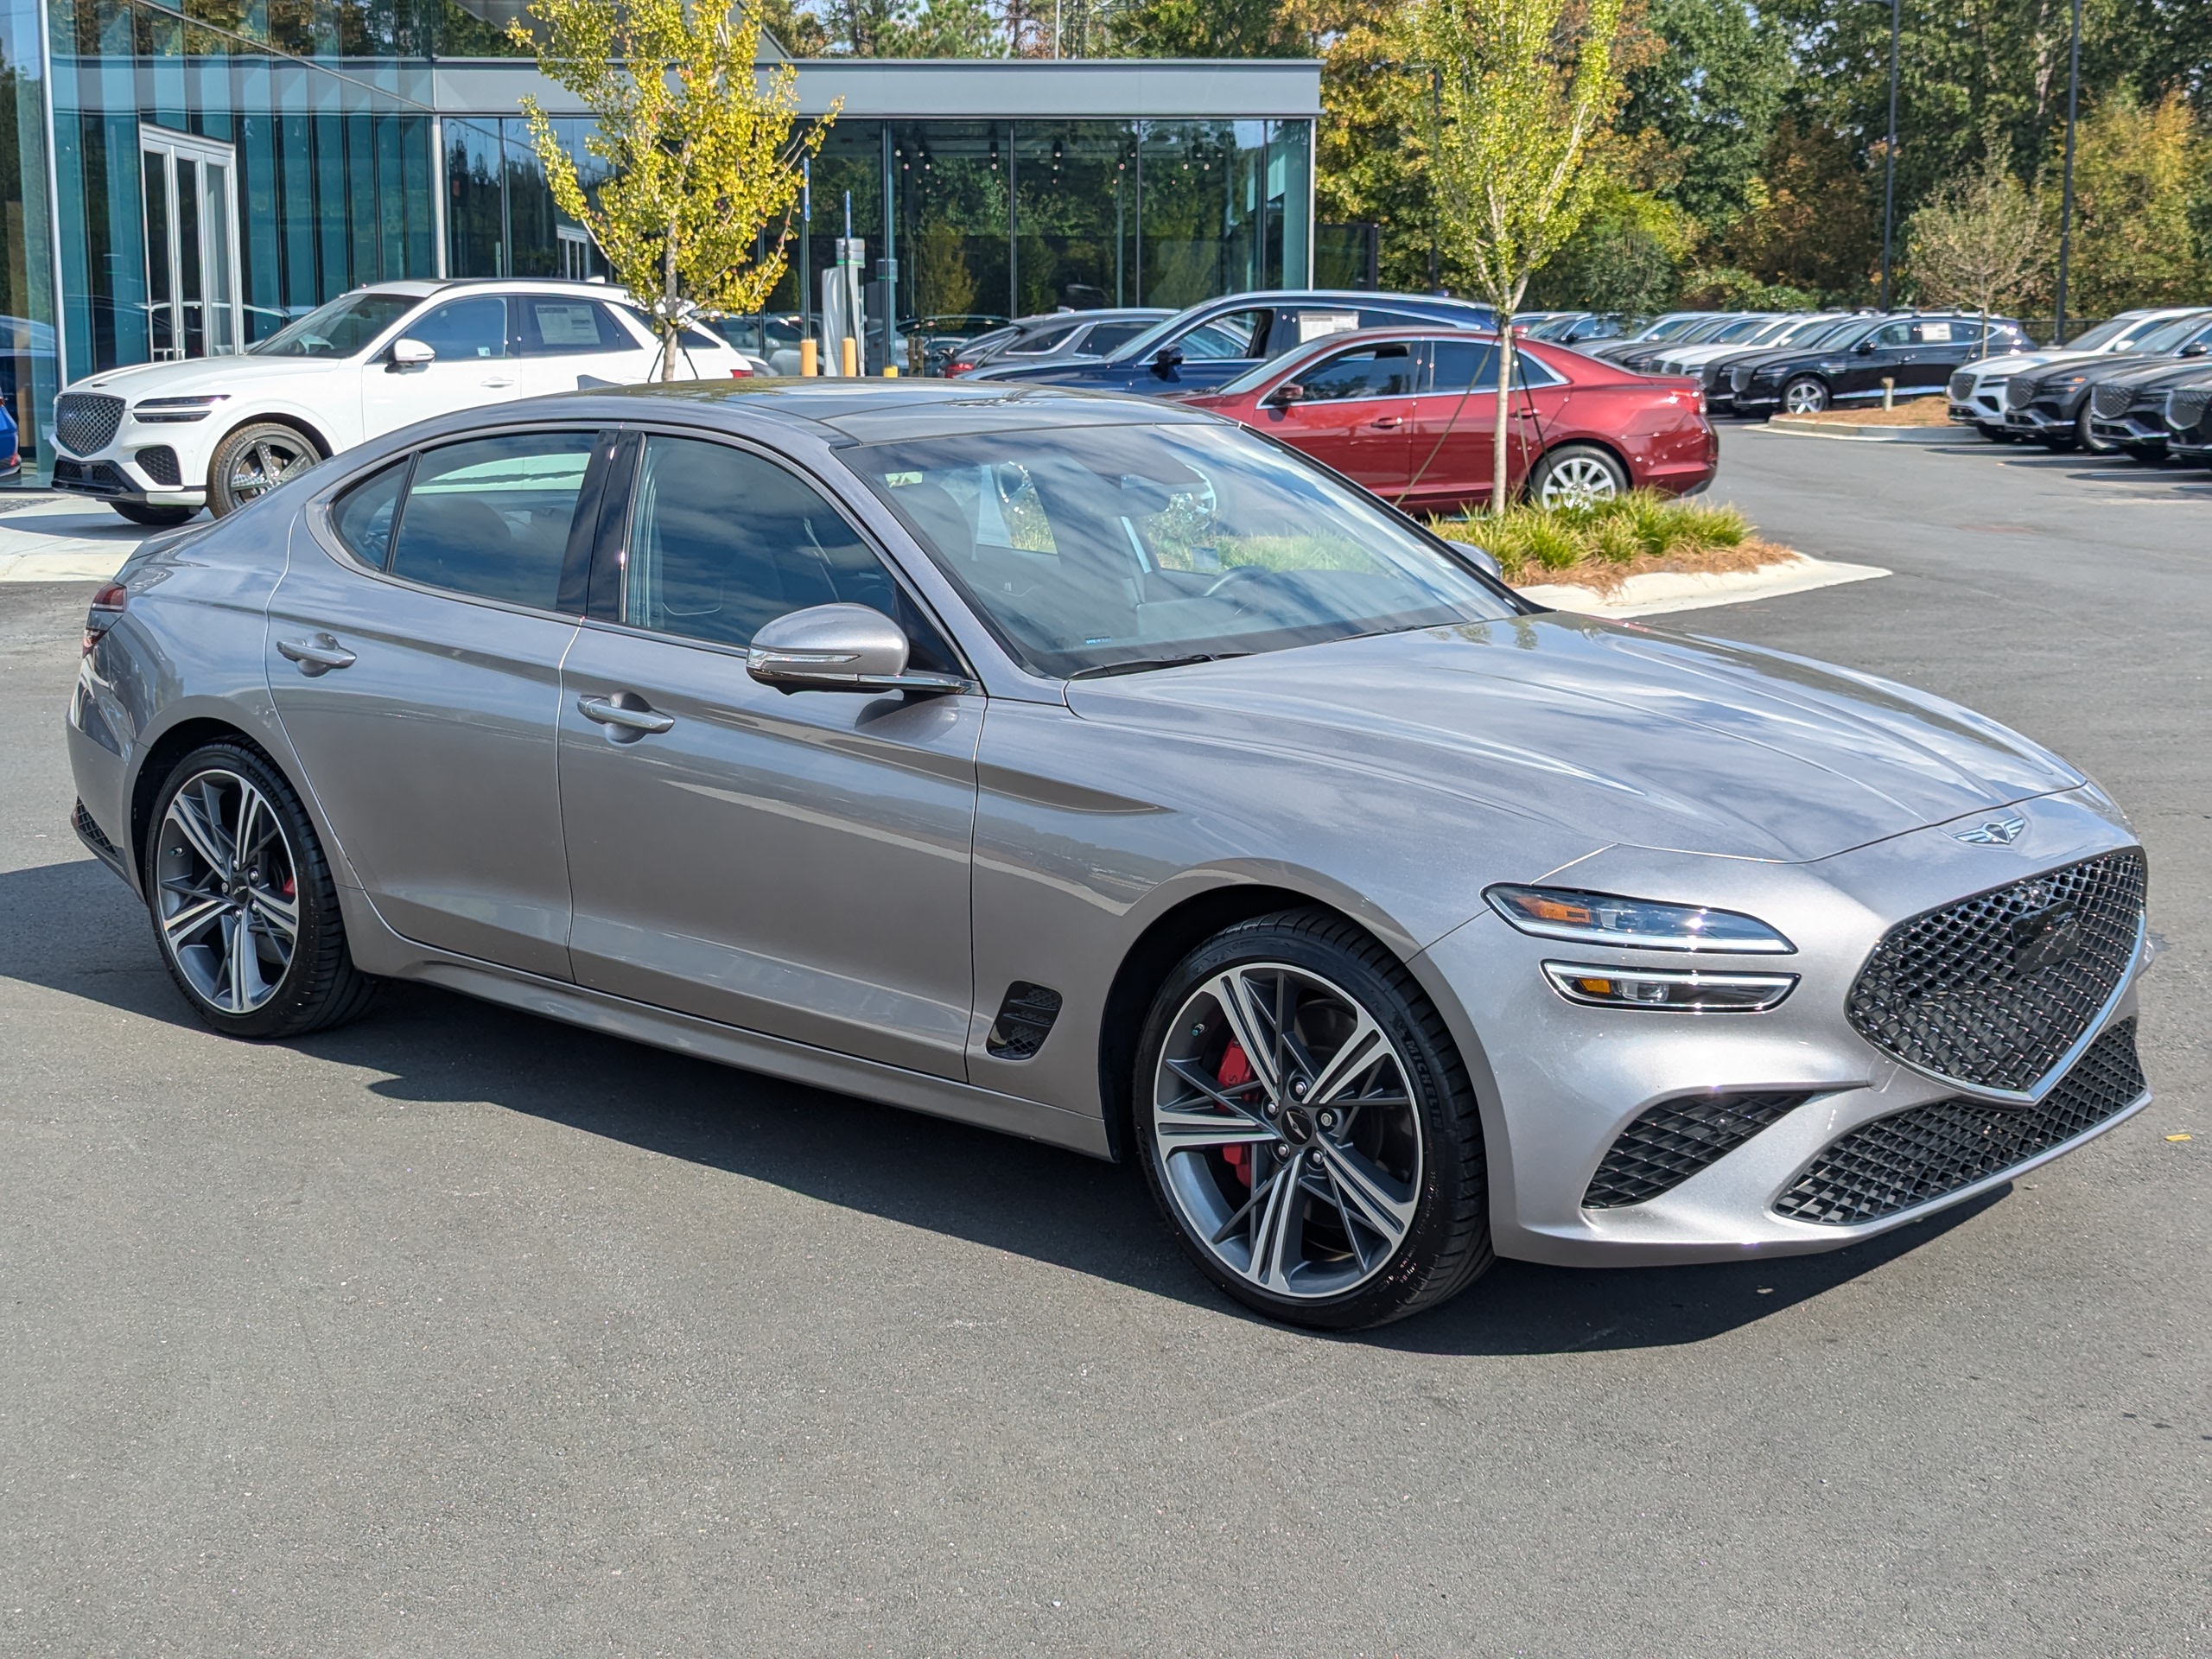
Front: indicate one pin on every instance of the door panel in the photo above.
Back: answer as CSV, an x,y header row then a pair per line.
x,y
1455,421
1356,414
475,365
430,746
796,864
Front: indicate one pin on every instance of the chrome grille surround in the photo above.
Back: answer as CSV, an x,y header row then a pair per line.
x,y
1992,993
2110,403
1913,1157
85,423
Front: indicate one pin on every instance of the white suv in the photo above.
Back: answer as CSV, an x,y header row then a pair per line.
x,y
159,441
1977,390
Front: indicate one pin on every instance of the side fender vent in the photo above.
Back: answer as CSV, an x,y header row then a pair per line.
x,y
1025,1020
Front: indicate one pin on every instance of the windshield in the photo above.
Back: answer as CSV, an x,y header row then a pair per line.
x,y
341,328
2169,333
2105,333
1090,549
1807,331
1748,328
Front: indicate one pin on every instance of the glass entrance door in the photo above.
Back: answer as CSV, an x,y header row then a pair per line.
x,y
192,246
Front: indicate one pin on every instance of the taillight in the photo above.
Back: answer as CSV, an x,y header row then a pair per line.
x,y
740,374
108,606
952,369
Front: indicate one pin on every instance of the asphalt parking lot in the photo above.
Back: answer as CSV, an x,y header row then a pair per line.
x,y
458,1332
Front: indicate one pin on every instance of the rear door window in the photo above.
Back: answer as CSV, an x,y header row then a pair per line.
x,y
1044,340
491,517
560,327
1472,364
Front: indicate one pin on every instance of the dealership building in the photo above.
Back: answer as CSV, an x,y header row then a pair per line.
x,y
182,183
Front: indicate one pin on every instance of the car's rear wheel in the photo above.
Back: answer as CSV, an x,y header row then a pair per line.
x,y
142,512
243,906
1307,1127
255,460
1574,475
1804,396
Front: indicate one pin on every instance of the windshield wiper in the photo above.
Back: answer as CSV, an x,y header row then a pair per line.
x,y
1146,664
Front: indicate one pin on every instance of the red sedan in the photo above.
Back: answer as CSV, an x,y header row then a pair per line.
x,y
1411,414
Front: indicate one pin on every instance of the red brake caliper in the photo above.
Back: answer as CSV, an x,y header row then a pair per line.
x,y
1234,1072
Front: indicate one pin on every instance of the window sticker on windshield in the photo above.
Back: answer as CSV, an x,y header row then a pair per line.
x,y
566,325
1318,325
1935,332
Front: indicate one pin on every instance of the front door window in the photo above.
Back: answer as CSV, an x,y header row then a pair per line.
x,y
192,246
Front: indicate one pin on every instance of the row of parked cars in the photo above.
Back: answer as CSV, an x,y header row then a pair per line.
x,y
1396,391
2139,384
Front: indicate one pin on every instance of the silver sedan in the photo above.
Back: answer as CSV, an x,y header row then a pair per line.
x,y
1097,770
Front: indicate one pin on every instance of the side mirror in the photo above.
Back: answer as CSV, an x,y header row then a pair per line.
x,y
838,648
1865,348
410,355
2194,349
1481,556
1283,395
1166,360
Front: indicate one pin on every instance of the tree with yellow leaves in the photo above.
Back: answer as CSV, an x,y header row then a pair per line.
x,y
1522,92
701,149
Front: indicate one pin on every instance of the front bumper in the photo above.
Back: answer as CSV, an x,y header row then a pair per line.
x,y
2038,419
2138,429
1570,1079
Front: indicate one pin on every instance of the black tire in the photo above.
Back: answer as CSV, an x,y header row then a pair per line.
x,y
1813,395
2085,440
253,460
1446,1246
144,512
318,986
1573,459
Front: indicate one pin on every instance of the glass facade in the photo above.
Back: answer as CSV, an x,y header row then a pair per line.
x,y
183,178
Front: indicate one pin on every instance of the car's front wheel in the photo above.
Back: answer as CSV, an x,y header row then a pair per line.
x,y
143,513
244,908
255,460
1307,1127
1804,396
1575,475
2085,437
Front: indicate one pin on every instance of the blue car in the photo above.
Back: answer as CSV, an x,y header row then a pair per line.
x,y
1210,344
11,451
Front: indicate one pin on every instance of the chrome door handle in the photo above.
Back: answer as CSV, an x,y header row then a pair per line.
x,y
500,380
317,655
607,712
1384,422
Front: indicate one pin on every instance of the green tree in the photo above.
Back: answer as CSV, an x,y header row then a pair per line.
x,y
2139,175
1984,242
701,151
1523,89
1713,96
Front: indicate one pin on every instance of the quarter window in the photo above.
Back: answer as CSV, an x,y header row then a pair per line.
x,y
491,517
464,329
722,541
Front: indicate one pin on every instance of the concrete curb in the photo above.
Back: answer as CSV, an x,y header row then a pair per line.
x,y
1660,591
1800,428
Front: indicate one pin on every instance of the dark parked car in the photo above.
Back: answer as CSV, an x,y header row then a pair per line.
x,y
2052,404
1675,327
1747,329
1055,334
2129,413
1412,416
2188,421
927,344
1915,352
1576,328
1210,344
1717,373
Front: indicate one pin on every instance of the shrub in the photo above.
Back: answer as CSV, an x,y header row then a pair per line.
x,y
1608,539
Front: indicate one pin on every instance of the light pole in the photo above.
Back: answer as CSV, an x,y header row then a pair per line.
x,y
1890,151
2066,192
1435,73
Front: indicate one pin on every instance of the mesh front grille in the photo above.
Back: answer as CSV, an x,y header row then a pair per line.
x,y
2110,403
2186,410
1993,990
2018,394
1909,1158
1740,379
86,420
1671,1141
1961,387
159,463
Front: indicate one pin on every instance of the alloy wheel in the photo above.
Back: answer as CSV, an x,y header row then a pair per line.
x,y
1804,397
264,464
1286,1131
1578,480
228,892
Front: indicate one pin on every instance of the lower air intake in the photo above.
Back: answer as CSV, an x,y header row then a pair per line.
x,y
1670,1142
1909,1158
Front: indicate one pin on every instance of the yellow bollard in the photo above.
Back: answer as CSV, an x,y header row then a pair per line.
x,y
891,371
850,349
808,353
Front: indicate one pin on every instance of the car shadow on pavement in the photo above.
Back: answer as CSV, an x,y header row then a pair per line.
x,y
426,1046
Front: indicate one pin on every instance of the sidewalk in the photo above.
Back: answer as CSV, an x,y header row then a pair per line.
x,y
62,538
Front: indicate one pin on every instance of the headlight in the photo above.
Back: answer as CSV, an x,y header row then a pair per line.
x,y
159,411
1684,990
1632,923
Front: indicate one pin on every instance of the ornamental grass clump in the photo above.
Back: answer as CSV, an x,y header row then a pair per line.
x,y
1602,545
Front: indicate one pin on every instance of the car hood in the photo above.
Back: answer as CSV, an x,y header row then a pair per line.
x,y
1614,732
203,374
